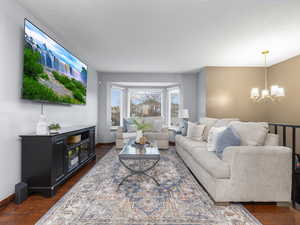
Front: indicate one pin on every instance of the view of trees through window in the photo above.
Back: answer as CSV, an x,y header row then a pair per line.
x,y
116,105
145,103
174,107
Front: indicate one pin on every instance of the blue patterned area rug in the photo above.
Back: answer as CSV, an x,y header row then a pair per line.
x,y
94,200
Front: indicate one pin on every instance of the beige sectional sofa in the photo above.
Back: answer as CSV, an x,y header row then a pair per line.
x,y
157,132
244,174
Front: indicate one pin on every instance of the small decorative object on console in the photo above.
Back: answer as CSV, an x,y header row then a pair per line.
x,y
54,128
74,139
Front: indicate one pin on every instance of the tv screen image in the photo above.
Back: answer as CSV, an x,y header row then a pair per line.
x,y
51,73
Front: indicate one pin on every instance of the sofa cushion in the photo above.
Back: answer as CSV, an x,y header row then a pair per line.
x,y
210,162
125,135
251,133
156,123
187,143
195,131
272,140
209,123
227,138
157,135
179,139
224,122
214,122
131,128
213,136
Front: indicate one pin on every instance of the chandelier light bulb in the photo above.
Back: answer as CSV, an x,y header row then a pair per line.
x,y
254,93
265,93
274,90
280,92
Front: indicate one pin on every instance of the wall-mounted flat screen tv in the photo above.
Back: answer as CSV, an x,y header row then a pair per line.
x,y
51,73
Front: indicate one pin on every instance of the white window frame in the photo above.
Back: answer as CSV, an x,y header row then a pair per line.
x,y
121,106
132,90
172,91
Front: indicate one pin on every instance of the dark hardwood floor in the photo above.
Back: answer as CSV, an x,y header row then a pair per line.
x,y
36,206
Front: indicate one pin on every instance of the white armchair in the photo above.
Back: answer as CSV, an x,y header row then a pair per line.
x,y
160,136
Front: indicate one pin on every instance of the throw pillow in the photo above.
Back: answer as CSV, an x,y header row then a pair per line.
x,y
272,140
251,133
195,131
126,122
213,136
209,123
226,138
157,125
131,128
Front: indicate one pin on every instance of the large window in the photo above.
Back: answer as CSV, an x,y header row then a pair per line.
x,y
116,106
145,103
174,100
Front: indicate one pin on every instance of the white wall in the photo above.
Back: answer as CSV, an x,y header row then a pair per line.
x,y
187,82
19,116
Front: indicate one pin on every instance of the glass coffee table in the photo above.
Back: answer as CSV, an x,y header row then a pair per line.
x,y
139,159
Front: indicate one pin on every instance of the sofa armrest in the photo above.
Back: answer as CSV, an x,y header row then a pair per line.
x,y
261,167
257,153
119,133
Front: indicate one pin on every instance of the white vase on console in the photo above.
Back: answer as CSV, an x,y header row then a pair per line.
x,y
42,126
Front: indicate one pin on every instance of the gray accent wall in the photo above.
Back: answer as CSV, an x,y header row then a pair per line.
x,y
201,94
18,116
187,82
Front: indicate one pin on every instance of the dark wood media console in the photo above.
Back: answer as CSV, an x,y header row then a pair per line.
x,y
49,160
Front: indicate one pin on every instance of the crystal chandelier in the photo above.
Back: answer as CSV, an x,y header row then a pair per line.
x,y
266,95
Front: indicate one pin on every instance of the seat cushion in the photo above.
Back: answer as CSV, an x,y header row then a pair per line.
x,y
126,135
210,162
188,143
157,135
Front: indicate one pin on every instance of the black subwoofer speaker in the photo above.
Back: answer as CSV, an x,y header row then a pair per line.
x,y
21,192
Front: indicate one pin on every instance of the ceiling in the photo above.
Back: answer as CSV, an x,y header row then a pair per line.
x,y
173,35
145,84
